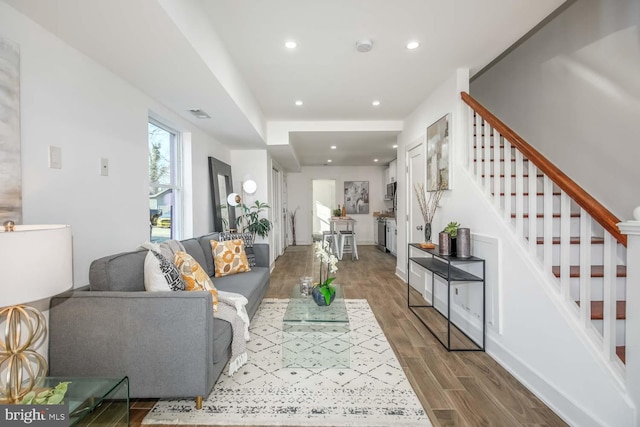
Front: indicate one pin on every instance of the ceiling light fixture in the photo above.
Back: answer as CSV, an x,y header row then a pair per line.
x,y
412,45
375,103
299,103
290,44
333,147
394,146
199,113
375,160
364,45
329,161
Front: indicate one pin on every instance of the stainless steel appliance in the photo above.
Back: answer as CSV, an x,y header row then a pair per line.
x,y
381,234
391,191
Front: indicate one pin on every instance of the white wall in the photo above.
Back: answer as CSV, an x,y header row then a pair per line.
x,y
539,343
251,164
300,194
70,101
572,92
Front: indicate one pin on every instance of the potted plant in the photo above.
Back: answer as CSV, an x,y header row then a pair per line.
x,y
452,230
251,221
324,292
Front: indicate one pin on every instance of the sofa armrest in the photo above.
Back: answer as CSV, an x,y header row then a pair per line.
x,y
163,341
261,250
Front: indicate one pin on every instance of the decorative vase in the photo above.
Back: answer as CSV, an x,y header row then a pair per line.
x,y
444,240
319,298
464,246
427,232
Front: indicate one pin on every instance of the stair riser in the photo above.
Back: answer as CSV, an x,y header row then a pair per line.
x,y
574,226
597,289
620,330
597,252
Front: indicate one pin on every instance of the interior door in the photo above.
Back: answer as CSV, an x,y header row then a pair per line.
x,y
276,209
415,234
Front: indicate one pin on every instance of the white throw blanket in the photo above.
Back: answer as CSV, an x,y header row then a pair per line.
x,y
232,308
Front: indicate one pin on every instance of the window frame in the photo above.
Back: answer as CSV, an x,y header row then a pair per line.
x,y
175,173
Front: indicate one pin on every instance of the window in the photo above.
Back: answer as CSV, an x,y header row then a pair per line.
x,y
165,193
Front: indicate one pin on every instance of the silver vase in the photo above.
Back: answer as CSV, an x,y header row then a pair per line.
x,y
464,243
444,246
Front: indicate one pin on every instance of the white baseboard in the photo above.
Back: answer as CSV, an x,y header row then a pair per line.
x,y
564,407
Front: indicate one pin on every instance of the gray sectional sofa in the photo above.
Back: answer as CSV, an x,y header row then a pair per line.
x,y
167,343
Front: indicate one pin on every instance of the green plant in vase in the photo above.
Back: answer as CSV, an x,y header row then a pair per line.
x,y
324,292
452,230
251,221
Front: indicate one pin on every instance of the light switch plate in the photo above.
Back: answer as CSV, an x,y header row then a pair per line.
x,y
55,157
104,166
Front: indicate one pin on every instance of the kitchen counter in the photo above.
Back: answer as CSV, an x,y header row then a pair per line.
x,y
383,215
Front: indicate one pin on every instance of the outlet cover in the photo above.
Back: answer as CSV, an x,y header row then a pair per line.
x,y
104,166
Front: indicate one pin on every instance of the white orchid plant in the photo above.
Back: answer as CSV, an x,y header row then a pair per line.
x,y
328,264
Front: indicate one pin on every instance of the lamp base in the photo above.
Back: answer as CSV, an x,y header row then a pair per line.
x,y
21,367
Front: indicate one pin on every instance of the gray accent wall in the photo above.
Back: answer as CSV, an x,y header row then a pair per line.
x,y
572,90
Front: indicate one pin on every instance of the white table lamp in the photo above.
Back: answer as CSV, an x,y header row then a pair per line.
x,y
36,264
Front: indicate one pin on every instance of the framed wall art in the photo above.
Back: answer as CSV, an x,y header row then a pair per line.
x,y
438,167
356,197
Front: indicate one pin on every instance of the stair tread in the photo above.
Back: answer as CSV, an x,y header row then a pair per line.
x,y
597,310
513,175
573,240
596,271
527,194
621,352
555,215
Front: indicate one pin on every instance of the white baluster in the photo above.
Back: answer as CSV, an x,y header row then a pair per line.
x,y
609,288
496,169
548,224
532,170
519,178
507,181
565,244
585,268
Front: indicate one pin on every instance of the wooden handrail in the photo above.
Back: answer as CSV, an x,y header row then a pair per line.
x,y
594,208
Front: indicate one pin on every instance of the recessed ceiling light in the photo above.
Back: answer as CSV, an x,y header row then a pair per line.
x,y
329,161
375,160
375,103
333,147
412,45
394,146
299,103
291,44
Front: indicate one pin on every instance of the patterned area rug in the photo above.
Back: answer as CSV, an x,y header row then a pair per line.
x,y
374,391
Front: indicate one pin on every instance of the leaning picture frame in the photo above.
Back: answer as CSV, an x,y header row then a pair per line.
x,y
356,197
438,159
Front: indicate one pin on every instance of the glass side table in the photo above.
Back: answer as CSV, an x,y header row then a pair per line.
x,y
103,401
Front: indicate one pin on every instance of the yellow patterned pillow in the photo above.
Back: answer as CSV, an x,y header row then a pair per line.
x,y
194,276
229,257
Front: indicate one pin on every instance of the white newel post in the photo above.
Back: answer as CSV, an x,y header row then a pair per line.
x,y
632,339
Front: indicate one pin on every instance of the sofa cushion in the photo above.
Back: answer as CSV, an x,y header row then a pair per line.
x,y
221,341
193,248
247,284
195,278
119,272
205,244
160,274
247,238
229,257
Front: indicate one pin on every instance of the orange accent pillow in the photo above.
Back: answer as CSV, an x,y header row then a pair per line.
x,y
194,276
229,257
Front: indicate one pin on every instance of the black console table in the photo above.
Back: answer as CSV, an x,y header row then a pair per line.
x,y
445,267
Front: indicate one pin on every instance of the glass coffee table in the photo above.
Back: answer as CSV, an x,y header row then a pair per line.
x,y
96,401
314,336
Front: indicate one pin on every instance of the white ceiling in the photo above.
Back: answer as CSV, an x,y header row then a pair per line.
x,y
135,39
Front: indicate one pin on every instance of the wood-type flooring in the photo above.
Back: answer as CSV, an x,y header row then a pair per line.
x,y
455,388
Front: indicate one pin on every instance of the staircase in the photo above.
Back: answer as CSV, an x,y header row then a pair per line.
x,y
573,239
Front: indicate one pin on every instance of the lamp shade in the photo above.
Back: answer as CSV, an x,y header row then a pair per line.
x,y
36,263
233,199
249,186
